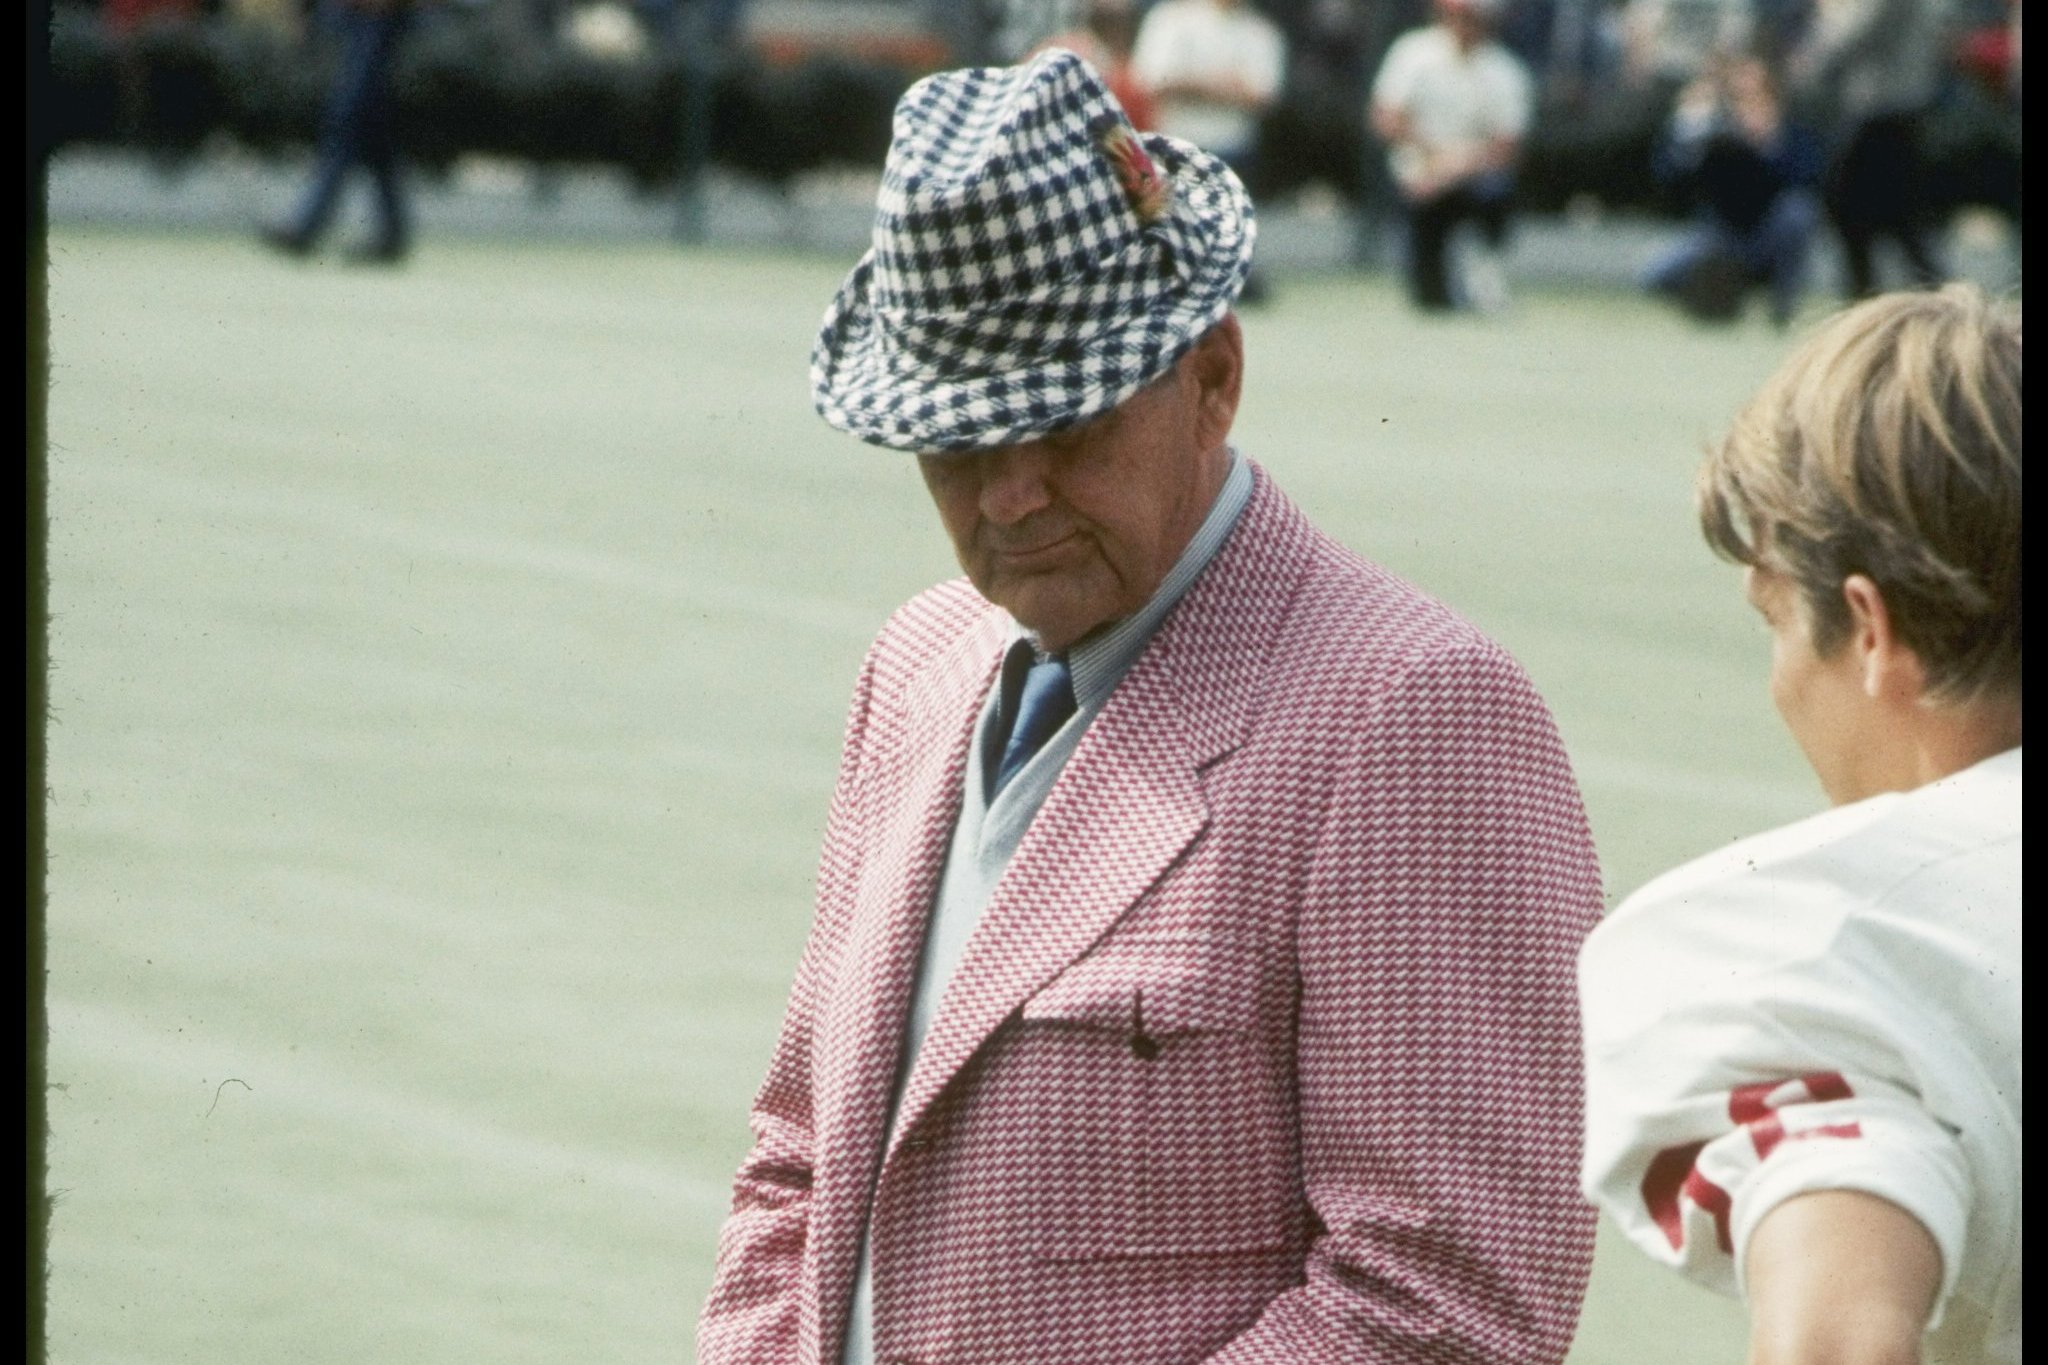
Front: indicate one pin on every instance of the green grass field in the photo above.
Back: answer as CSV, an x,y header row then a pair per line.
x,y
448,670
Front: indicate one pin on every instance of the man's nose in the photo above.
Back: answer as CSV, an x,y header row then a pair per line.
x,y
1013,482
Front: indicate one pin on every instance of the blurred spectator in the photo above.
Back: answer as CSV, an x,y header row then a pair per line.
x,y
606,30
1105,41
283,17
1781,26
1001,32
1974,136
1877,65
357,129
2013,79
1453,106
1214,68
1673,41
134,24
1753,173
1571,47
702,36
124,16
1336,47
1987,49
717,22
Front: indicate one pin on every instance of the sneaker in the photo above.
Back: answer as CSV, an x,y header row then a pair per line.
x,y
1486,284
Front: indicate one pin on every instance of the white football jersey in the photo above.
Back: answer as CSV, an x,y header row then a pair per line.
x,y
1831,1005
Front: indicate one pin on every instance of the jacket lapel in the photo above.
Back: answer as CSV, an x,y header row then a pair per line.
x,y
1084,861
861,1049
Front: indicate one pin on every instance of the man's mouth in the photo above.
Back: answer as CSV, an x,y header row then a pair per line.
x,y
1026,554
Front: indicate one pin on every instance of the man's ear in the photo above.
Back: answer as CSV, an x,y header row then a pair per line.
x,y
1218,363
1891,671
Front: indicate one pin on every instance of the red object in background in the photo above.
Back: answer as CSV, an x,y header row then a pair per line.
x,y
123,16
1131,93
1986,54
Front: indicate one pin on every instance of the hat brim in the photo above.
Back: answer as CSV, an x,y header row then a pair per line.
x,y
867,385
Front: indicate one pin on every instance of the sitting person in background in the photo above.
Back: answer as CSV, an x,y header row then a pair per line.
x,y
1453,106
1213,68
1754,175
1803,1049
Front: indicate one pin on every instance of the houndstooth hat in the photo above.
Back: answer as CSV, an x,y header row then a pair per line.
x,y
1035,262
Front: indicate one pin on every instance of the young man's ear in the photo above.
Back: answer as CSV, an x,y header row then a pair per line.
x,y
1891,670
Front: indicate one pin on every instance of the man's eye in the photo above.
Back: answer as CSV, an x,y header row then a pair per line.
x,y
1069,438
946,464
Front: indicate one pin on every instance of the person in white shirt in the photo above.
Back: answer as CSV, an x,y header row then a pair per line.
x,y
1453,107
1803,1051
1214,68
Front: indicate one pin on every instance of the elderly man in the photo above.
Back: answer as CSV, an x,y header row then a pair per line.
x,y
1191,976
1804,1048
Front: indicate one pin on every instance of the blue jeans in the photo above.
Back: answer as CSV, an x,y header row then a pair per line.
x,y
1777,252
357,126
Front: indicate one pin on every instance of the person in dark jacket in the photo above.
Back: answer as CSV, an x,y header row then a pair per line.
x,y
1754,175
1879,65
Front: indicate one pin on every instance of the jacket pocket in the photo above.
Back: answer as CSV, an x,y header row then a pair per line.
x,y
1170,1116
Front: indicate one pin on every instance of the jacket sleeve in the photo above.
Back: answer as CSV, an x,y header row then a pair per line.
x,y
1438,1051
753,1312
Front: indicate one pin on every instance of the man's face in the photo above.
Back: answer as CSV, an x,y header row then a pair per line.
x,y
1466,22
1076,530
1821,698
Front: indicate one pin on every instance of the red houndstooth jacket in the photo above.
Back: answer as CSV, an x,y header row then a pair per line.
x,y
1266,1047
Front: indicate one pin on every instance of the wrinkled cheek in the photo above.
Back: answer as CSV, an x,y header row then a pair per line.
x,y
980,571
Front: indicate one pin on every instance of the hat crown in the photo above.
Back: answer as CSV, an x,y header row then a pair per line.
x,y
997,187
1035,261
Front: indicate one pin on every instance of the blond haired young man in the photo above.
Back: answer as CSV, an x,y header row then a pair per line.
x,y
1804,1050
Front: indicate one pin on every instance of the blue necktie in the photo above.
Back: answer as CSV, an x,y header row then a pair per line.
x,y
1043,705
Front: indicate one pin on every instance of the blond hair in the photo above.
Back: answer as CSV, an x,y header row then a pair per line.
x,y
1889,445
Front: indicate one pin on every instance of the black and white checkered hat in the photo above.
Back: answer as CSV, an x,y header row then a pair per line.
x,y
1035,263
